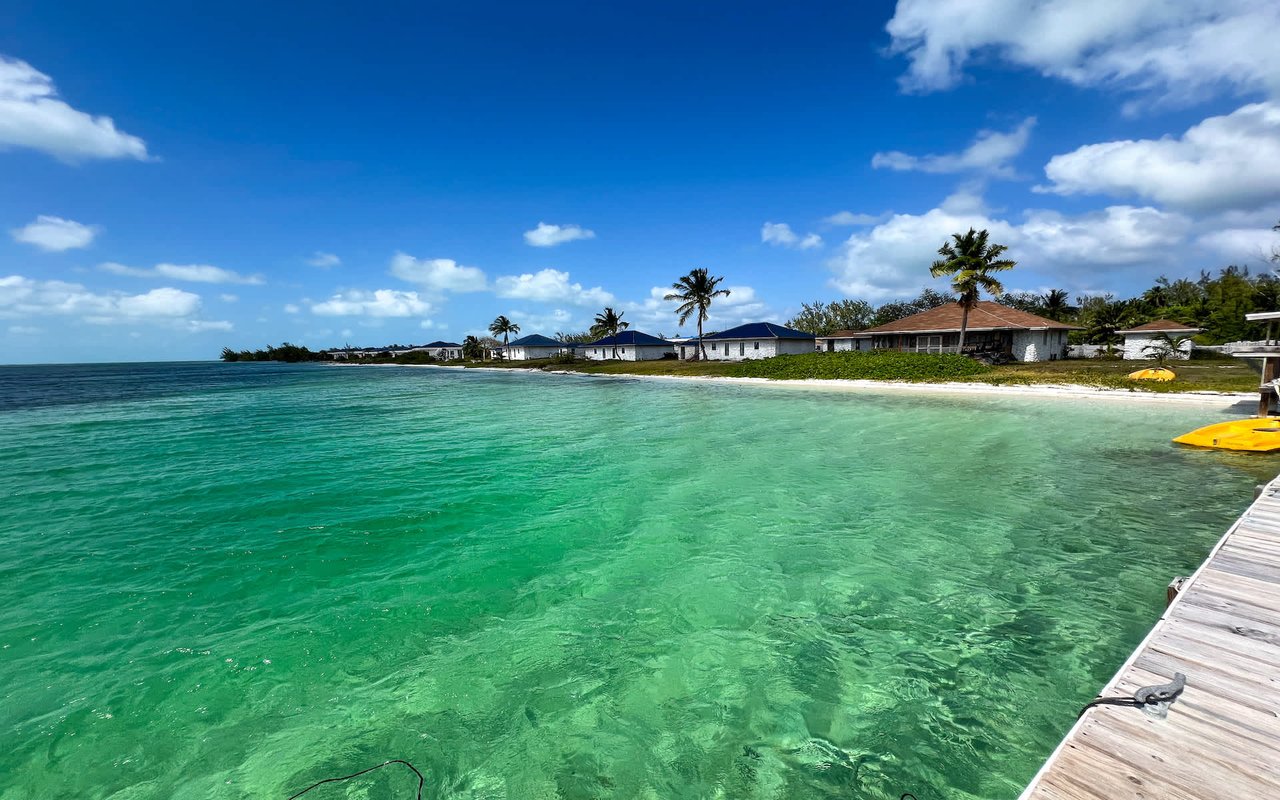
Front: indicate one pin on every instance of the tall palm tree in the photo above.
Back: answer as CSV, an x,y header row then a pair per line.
x,y
970,260
609,323
503,327
695,292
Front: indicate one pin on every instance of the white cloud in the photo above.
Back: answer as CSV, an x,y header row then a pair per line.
x,y
1242,245
780,234
438,274
202,325
892,259
1231,161
990,154
56,234
22,297
379,303
291,308
546,235
32,116
852,220
550,286
193,273
323,260
228,298
431,325
1181,50
547,324
24,330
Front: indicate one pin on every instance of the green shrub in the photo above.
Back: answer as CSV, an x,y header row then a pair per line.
x,y
876,365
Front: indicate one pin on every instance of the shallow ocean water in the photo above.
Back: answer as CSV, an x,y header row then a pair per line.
x,y
234,580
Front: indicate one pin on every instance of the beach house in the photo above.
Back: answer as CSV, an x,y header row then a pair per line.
x,y
992,328
754,340
534,346
628,346
843,340
445,351
1137,340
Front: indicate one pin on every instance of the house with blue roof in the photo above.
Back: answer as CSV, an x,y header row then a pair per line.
x,y
534,346
445,351
628,346
755,340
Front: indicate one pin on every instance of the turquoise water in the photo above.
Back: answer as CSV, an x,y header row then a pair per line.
x,y
234,580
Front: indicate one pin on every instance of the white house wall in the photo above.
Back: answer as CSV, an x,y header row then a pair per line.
x,y
746,349
845,344
1135,342
523,353
626,352
1045,345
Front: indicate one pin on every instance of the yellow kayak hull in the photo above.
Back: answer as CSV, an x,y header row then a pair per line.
x,y
1154,374
1249,435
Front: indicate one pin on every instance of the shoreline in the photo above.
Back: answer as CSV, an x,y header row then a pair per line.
x,y
1224,400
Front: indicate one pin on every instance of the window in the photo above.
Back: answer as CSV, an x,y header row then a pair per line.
x,y
624,351
595,351
742,348
757,346
726,348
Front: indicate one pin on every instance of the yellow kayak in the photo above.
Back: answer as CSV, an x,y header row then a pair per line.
x,y
1253,435
1160,374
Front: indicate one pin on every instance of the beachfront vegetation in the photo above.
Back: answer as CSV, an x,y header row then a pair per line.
x,y
284,352
824,319
874,365
472,349
695,292
1165,348
969,260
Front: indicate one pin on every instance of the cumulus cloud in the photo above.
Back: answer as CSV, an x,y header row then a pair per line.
x,y
193,273
989,154
656,314
1230,161
548,324
291,308
779,234
1180,50
546,235
438,274
323,260
228,298
1242,245
892,259
32,116
56,234
378,304
22,297
550,286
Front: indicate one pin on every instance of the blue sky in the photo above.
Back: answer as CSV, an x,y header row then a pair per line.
x,y
177,180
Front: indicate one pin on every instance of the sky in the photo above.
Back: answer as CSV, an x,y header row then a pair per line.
x,y
176,180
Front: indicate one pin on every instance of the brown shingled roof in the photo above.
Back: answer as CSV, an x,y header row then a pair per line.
x,y
1161,325
984,316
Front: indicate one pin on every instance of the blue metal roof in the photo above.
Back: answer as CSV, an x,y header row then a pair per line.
x,y
442,344
760,330
631,338
536,340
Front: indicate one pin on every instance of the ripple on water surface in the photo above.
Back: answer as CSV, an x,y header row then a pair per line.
x,y
233,580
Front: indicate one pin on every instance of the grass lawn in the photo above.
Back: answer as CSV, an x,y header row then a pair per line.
x,y
1193,376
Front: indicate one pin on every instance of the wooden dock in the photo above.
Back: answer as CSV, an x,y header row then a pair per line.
x,y
1221,735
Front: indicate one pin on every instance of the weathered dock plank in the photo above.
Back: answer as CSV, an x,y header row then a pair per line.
x,y
1221,736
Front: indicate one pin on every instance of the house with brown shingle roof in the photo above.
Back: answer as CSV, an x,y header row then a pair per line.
x,y
1137,340
992,328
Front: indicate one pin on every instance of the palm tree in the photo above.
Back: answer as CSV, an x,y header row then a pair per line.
x,y
1055,305
503,327
1165,348
969,260
695,292
609,323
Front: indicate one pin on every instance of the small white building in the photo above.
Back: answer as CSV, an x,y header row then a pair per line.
x,y
843,340
445,351
1137,340
755,340
627,346
534,346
